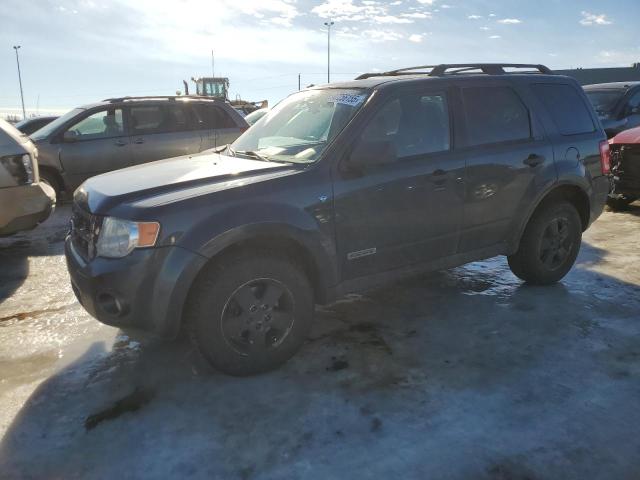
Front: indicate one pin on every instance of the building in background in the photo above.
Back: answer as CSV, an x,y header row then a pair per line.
x,y
587,76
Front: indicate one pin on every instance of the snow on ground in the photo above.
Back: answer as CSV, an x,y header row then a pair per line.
x,y
465,373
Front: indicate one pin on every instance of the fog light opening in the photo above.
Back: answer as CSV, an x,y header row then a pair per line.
x,y
111,304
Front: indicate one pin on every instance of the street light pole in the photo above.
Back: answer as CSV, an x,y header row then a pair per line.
x,y
24,114
328,25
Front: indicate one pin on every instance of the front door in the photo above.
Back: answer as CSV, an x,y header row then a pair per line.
x,y
97,143
162,131
407,211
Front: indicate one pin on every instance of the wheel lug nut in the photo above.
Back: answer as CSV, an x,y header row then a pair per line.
x,y
253,308
265,306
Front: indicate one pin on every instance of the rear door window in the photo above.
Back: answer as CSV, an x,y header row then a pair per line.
x,y
566,107
149,119
495,115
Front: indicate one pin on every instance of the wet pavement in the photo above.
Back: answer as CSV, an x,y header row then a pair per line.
x,y
465,373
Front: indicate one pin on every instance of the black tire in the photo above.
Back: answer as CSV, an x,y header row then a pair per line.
x,y
619,203
549,245
236,335
51,179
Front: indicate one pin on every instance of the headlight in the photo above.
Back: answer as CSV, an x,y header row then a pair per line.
x,y
20,167
118,238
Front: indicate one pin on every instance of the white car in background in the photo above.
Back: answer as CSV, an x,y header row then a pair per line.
x,y
24,201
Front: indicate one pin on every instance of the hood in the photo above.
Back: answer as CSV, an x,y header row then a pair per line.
x,y
175,176
627,137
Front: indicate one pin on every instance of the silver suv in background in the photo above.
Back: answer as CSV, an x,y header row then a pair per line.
x,y
24,202
122,132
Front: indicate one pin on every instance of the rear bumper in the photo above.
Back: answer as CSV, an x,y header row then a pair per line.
x,y
24,207
598,198
145,290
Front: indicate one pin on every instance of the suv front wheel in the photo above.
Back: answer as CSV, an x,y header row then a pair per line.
x,y
549,245
250,312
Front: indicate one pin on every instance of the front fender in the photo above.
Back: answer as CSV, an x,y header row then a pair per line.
x,y
310,228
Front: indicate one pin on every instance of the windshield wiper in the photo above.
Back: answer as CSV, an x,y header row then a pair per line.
x,y
250,153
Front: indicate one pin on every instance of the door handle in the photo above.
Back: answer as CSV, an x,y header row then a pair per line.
x,y
120,143
138,141
440,178
533,160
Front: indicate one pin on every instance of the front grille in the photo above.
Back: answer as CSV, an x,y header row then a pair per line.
x,y
84,231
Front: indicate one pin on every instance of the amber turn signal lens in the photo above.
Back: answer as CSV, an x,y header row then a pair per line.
x,y
148,233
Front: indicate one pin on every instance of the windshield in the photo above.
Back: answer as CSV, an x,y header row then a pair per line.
x,y
604,101
49,128
300,127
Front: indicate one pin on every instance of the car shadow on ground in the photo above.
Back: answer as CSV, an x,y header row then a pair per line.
x,y
45,240
465,373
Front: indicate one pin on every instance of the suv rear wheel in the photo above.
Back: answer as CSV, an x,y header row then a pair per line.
x,y
549,245
250,313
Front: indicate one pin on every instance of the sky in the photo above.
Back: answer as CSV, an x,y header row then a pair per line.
x,y
75,52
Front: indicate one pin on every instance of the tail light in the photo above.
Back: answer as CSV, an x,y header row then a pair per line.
x,y
605,157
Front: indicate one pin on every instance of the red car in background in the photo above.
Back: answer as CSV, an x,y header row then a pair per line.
x,y
625,169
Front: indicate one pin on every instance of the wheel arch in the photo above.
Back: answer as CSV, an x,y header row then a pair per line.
x,y
571,192
282,240
55,174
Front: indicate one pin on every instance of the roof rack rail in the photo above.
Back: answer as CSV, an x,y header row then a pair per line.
x,y
456,68
159,97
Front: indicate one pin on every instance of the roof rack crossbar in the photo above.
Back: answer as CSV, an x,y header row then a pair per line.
x,y
444,69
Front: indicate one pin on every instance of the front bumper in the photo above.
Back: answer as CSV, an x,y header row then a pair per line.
x,y
24,207
145,290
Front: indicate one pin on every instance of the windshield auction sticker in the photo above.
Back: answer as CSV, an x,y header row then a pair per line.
x,y
348,99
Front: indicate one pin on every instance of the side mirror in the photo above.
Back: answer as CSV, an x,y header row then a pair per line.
x,y
70,136
372,153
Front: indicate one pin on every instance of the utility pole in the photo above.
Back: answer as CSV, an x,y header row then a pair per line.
x,y
329,24
298,82
24,113
213,63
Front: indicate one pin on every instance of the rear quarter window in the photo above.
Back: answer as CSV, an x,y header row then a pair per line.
x,y
212,117
566,107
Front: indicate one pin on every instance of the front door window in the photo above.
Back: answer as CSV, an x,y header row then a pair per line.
x,y
102,124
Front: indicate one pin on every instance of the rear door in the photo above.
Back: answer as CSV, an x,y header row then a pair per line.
x,y
95,144
216,125
509,159
164,130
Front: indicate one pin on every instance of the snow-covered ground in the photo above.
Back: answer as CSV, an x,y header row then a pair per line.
x,y
465,373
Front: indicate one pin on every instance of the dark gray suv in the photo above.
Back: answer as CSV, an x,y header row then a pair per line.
x,y
121,132
340,188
